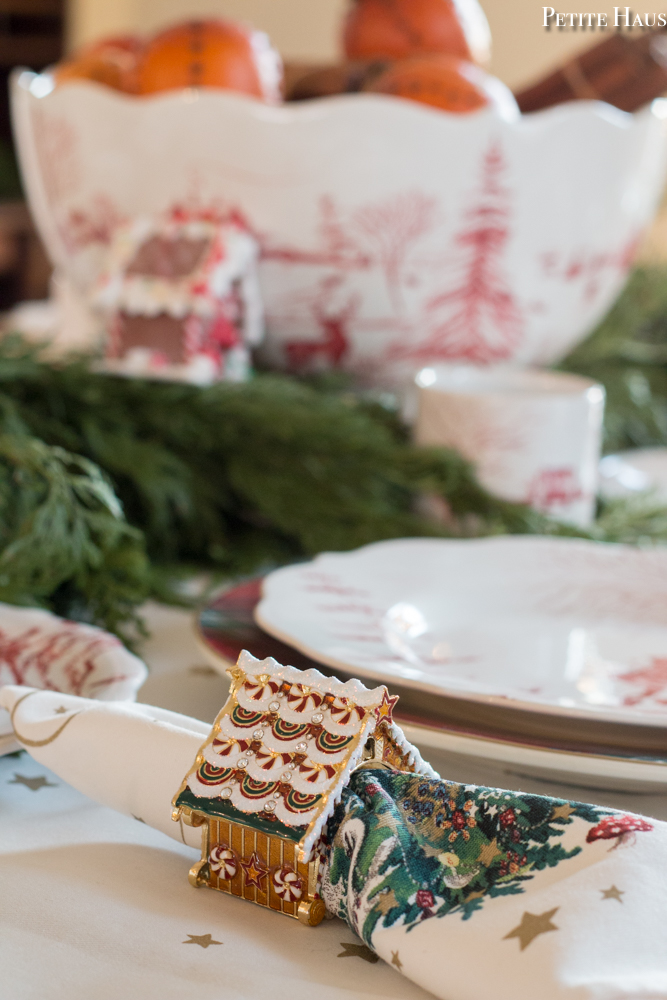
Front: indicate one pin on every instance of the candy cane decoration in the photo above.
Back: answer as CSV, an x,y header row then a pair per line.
x,y
287,884
223,861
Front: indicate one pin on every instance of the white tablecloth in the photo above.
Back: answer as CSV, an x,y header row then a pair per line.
x,y
94,906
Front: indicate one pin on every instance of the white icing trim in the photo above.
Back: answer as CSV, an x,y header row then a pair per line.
x,y
314,834
415,759
352,689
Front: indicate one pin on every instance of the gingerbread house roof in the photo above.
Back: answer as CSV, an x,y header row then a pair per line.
x,y
180,268
282,749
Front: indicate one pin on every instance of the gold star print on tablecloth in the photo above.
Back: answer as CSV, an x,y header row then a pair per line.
x,y
203,940
531,926
613,893
60,710
352,950
34,784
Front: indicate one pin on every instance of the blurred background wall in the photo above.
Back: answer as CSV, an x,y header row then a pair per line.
x,y
307,30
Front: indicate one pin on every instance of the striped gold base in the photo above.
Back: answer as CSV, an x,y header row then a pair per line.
x,y
253,879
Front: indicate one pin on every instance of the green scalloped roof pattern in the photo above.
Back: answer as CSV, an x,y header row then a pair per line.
x,y
222,809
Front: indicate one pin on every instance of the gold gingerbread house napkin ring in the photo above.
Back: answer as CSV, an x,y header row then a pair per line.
x,y
270,774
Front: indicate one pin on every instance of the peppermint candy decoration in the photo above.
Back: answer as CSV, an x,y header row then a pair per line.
x,y
223,861
261,686
343,711
301,699
287,884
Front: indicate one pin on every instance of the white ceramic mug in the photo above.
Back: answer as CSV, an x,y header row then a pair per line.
x,y
533,436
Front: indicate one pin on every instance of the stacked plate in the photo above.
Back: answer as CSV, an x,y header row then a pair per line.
x,y
549,654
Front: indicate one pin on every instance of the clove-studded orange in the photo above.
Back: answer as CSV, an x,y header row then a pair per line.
x,y
397,29
210,53
447,83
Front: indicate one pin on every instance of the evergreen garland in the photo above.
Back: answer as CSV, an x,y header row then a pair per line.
x,y
64,542
628,354
238,474
242,477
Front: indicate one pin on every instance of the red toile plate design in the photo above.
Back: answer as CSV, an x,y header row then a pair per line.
x,y
598,754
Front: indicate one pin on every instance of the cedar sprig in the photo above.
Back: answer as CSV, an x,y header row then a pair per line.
x,y
64,542
244,477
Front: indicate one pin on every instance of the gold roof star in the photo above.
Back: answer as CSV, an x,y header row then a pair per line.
x,y
34,784
395,960
385,710
488,852
353,950
563,811
386,901
203,940
613,893
532,925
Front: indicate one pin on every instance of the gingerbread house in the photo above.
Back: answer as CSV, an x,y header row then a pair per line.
x,y
180,299
267,779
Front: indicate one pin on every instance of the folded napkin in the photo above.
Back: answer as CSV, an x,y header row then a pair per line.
x,y
125,755
479,892
44,651
471,892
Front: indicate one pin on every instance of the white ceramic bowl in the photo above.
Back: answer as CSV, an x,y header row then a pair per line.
x,y
393,235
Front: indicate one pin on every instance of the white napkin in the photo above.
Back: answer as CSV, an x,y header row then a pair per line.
x,y
44,651
415,863
128,756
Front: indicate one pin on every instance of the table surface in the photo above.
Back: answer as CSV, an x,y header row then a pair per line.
x,y
93,904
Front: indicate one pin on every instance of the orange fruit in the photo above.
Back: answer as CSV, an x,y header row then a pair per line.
x,y
447,83
210,54
397,29
111,61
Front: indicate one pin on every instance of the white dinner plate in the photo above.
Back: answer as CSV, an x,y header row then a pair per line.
x,y
558,626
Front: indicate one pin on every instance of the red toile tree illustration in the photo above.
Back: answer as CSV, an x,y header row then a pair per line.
x,y
336,246
479,319
391,229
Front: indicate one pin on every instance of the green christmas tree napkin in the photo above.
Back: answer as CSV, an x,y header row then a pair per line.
x,y
479,892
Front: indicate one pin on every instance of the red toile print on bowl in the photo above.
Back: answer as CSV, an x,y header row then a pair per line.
x,y
392,235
